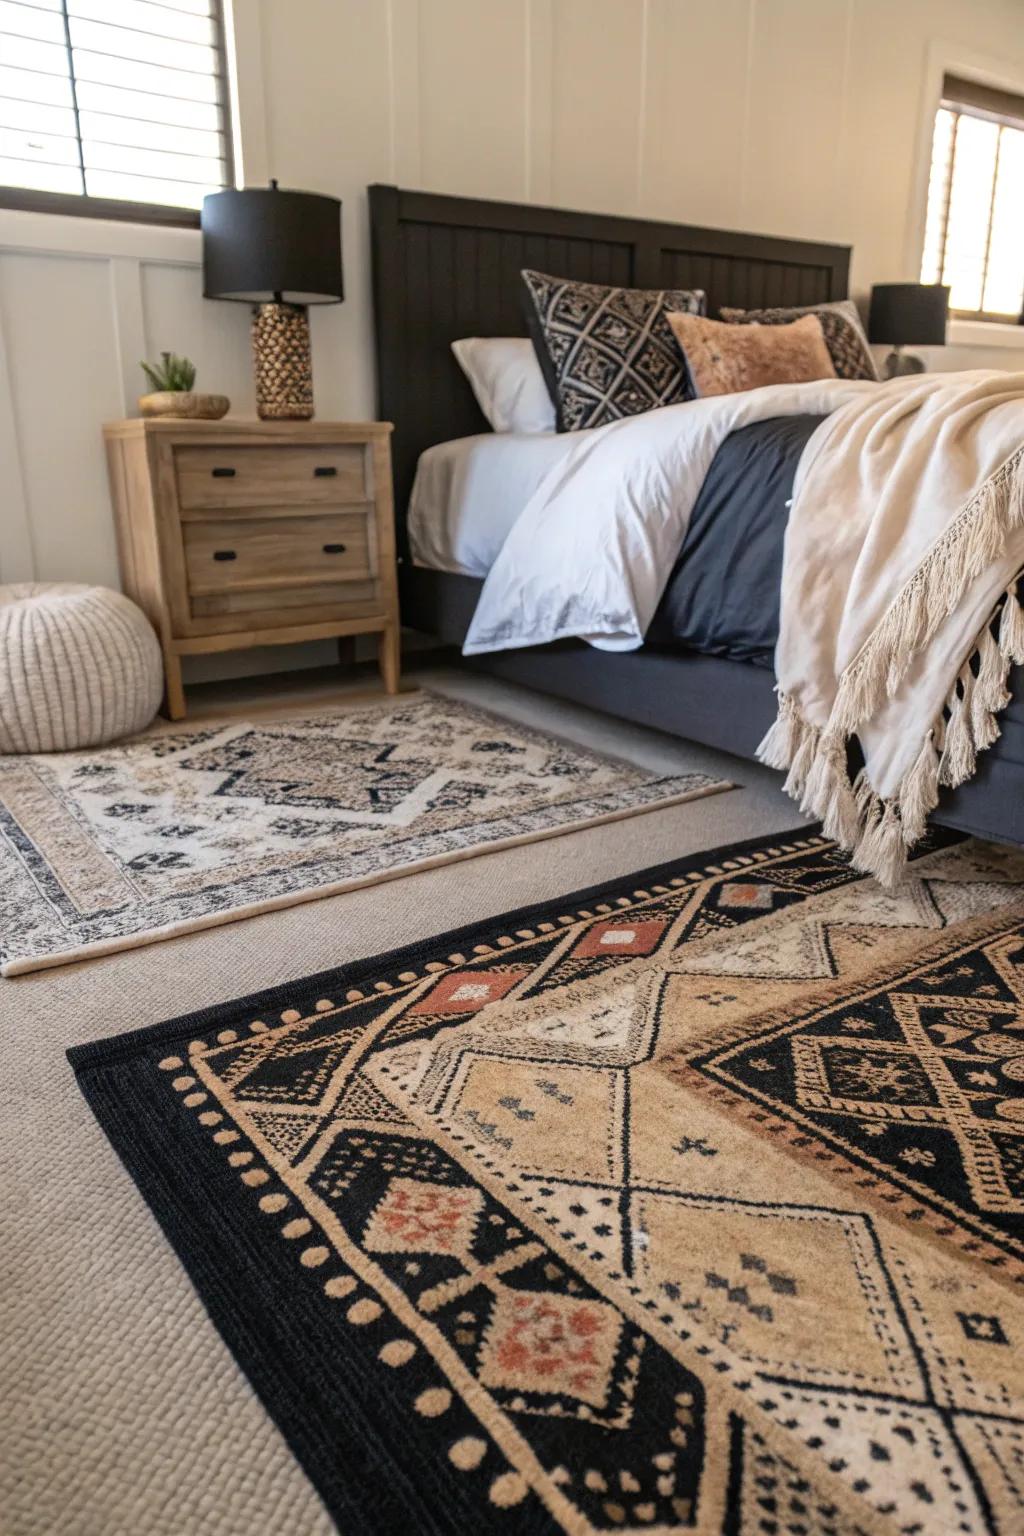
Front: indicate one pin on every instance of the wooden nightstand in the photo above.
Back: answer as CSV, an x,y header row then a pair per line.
x,y
239,533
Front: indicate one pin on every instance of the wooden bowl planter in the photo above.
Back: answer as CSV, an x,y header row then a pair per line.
x,y
184,405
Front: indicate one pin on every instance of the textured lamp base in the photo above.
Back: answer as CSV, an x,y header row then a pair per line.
x,y
283,362
900,364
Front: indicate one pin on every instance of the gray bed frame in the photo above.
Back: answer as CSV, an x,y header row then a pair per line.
x,y
445,267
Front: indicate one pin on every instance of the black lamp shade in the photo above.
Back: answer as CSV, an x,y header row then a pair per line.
x,y
908,314
262,244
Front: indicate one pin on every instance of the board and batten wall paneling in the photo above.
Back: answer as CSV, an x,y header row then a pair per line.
x,y
795,118
17,556
58,325
214,334
789,117
81,303
472,96
341,103
599,50
692,154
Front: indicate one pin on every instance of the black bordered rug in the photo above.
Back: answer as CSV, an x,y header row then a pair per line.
x,y
690,1203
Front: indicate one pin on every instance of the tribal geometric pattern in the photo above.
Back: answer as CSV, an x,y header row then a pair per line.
x,y
607,352
176,830
917,1078
689,1204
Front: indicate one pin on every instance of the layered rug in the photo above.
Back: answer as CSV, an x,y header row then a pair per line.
x,y
692,1204
178,830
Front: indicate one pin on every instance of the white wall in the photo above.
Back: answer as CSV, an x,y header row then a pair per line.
x,y
789,117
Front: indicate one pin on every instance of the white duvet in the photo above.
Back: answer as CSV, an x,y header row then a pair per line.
x,y
591,552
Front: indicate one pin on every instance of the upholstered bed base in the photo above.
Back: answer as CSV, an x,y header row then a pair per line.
x,y
720,703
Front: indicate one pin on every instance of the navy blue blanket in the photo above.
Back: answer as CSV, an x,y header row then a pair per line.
x,y
723,595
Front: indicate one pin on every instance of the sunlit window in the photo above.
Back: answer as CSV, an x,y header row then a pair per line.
x,y
974,236
114,99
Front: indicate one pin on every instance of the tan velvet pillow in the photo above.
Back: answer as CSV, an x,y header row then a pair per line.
x,y
724,359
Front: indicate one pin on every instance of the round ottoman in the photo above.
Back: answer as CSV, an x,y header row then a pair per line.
x,y
78,666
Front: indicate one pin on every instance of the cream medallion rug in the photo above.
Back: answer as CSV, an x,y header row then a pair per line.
x,y
183,829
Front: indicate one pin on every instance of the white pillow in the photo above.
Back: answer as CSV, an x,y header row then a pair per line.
x,y
507,382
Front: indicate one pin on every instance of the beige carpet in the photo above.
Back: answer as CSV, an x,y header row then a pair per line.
x,y
121,1412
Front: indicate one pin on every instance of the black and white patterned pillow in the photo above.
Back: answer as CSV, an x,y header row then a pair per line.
x,y
606,352
841,327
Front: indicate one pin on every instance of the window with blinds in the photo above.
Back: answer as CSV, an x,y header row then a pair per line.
x,y
112,101
974,235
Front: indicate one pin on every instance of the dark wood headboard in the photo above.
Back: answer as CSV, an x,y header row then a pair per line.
x,y
445,267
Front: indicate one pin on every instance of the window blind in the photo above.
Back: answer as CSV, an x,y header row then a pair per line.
x,y
114,99
974,235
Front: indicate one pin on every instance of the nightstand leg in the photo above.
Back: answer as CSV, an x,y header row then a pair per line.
x,y
174,692
389,657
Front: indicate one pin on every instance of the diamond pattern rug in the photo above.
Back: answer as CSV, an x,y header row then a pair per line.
x,y
178,830
689,1204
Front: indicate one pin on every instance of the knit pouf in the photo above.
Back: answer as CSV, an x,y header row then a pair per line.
x,y
78,666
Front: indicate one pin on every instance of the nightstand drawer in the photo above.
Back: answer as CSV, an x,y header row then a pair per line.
x,y
233,534
267,476
287,605
265,553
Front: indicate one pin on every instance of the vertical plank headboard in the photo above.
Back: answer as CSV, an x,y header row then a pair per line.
x,y
445,267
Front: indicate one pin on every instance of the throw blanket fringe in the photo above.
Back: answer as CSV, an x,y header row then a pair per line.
x,y
878,833
900,624
968,546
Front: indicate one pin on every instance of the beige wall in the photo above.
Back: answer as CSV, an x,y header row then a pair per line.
x,y
787,117
790,117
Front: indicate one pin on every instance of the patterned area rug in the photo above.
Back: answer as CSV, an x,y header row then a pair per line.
x,y
179,830
694,1204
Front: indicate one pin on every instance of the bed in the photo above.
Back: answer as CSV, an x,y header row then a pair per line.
x,y
446,268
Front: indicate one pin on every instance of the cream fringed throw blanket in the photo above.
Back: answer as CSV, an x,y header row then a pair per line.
x,y
905,538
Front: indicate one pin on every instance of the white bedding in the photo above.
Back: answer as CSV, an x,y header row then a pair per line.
x,y
591,552
468,493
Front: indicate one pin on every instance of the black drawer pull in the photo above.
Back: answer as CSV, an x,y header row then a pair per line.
x,y
222,473
325,472
334,549
225,554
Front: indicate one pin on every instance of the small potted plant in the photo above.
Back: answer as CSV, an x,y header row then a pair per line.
x,y
172,380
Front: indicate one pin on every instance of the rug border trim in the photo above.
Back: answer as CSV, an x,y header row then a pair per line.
x,y
106,1051
195,1239
114,946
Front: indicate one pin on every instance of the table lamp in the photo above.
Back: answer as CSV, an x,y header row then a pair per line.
x,y
279,251
907,314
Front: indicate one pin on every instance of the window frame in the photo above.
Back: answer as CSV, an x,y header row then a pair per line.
x,y
81,206
990,77
959,109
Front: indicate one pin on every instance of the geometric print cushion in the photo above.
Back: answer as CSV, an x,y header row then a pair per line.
x,y
606,352
840,323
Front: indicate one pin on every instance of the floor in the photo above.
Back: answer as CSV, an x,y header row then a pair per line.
x,y
120,1408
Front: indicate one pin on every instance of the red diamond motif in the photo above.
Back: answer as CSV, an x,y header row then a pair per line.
x,y
739,894
416,1217
548,1343
467,991
619,936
